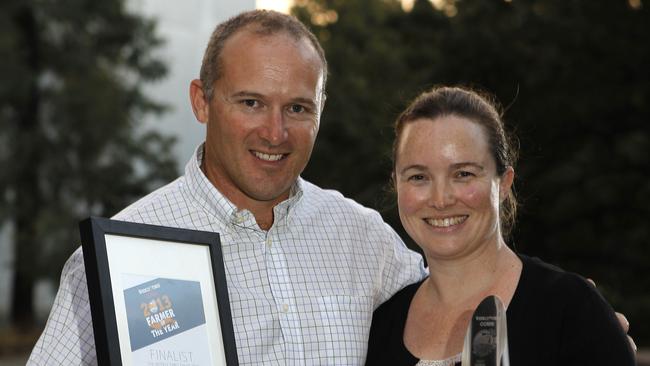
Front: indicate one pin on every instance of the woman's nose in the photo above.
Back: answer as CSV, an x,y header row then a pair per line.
x,y
442,195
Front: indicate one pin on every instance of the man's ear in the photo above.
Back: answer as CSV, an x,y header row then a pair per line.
x,y
505,183
200,105
322,102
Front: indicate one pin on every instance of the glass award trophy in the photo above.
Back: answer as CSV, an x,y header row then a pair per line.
x,y
486,341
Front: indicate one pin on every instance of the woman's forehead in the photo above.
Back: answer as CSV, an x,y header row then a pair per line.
x,y
448,136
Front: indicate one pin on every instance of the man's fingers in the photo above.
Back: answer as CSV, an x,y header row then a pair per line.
x,y
626,327
622,320
624,323
632,343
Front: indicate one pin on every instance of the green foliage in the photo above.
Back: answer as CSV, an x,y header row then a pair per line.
x,y
71,105
574,77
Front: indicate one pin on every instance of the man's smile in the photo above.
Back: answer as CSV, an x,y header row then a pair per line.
x,y
268,157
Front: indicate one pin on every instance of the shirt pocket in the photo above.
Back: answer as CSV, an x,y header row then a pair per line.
x,y
343,324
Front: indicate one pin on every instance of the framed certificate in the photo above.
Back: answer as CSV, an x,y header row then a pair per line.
x,y
157,294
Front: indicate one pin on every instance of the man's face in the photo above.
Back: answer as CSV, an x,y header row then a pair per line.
x,y
263,117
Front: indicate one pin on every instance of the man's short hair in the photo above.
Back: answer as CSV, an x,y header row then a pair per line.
x,y
262,22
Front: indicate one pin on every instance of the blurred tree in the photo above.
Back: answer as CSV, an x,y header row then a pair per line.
x,y
574,78
366,69
71,100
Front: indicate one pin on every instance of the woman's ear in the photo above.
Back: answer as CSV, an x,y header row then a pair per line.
x,y
505,183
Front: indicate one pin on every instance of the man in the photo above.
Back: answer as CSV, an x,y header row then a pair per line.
x,y
305,266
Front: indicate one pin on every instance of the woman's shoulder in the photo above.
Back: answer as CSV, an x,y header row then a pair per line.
x,y
565,297
559,317
549,279
560,294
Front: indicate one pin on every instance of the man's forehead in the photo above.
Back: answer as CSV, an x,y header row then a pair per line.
x,y
253,33
269,56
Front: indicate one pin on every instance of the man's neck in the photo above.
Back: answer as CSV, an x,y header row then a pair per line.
x,y
261,210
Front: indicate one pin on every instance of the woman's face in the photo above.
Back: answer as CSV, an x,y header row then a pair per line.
x,y
447,187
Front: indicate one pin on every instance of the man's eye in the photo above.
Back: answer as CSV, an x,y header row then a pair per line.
x,y
296,108
250,103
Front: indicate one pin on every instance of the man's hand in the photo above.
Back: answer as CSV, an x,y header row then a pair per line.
x,y
621,319
626,327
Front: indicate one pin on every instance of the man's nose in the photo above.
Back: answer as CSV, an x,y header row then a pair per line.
x,y
274,129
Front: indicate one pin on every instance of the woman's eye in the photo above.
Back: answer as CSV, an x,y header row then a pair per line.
x,y
464,174
416,177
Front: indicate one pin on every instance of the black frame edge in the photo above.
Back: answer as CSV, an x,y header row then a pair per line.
x,y
100,294
93,231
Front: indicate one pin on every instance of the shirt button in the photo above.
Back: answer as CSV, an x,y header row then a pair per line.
x,y
269,242
285,308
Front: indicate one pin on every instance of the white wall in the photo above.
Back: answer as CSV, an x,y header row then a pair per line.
x,y
186,25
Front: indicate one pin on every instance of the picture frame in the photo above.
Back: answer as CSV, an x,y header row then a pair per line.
x,y
158,295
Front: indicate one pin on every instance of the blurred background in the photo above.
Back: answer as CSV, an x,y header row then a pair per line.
x,y
94,113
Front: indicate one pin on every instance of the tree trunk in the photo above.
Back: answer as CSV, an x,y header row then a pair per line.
x,y
26,185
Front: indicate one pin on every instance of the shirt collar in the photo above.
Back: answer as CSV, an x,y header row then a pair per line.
x,y
207,196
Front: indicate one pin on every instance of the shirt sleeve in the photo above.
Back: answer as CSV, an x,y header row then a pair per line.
x,y
593,335
401,266
68,335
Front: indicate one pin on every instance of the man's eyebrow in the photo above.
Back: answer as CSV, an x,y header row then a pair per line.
x,y
245,93
307,101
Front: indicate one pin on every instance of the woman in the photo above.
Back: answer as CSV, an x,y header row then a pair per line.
x,y
453,173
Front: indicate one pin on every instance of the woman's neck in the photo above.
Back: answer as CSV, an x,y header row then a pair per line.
x,y
492,270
